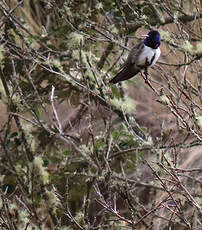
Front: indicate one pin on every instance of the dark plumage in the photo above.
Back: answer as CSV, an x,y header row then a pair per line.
x,y
142,56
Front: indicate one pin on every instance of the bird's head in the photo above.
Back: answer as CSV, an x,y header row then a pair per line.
x,y
153,39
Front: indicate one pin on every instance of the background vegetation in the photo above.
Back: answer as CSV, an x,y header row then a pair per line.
x,y
79,153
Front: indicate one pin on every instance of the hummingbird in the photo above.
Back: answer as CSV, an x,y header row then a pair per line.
x,y
143,55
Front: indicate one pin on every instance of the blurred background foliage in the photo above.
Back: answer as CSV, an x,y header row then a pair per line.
x,y
79,153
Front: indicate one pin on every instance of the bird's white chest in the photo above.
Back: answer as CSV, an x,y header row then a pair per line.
x,y
148,56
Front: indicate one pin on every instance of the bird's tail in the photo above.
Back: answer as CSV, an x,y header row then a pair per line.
x,y
124,74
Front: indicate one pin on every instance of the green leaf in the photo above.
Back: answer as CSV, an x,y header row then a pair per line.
x,y
115,134
54,159
66,152
98,144
15,134
115,92
45,163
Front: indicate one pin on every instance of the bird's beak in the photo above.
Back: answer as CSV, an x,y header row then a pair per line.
x,y
144,35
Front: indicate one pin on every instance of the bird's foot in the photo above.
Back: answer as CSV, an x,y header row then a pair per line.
x,y
147,81
146,74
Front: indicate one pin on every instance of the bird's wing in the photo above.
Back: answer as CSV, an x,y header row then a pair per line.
x,y
128,69
134,53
